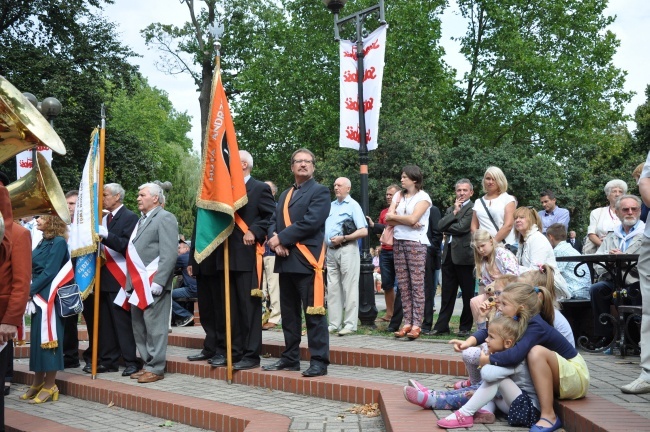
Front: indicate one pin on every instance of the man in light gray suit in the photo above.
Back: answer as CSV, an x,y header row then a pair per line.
x,y
155,237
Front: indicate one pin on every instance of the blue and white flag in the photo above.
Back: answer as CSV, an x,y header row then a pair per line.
x,y
84,239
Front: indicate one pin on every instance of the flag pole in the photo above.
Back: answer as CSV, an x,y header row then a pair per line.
x,y
100,206
226,271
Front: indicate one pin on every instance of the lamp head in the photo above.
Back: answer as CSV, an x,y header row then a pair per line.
x,y
335,5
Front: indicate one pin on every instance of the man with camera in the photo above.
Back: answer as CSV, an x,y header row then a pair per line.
x,y
344,225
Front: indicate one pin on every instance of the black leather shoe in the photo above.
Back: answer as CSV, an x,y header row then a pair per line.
x,y
598,343
218,361
435,332
100,369
130,370
199,357
282,364
87,368
246,364
392,329
315,370
463,333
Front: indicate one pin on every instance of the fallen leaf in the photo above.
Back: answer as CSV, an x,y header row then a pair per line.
x,y
368,410
110,404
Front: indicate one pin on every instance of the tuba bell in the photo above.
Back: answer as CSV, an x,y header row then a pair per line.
x,y
38,193
22,126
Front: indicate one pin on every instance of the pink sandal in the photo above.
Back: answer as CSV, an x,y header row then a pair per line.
x,y
417,385
461,421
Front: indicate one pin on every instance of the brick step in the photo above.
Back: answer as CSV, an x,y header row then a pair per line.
x,y
192,411
17,421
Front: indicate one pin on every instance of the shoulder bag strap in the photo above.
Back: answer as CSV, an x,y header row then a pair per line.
x,y
489,215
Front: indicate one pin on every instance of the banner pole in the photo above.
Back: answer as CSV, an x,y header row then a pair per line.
x,y
226,271
100,206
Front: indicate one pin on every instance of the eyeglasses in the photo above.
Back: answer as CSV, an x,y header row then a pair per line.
x,y
303,161
630,209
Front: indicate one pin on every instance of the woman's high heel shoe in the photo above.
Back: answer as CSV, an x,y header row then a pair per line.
x,y
52,393
33,395
401,333
414,333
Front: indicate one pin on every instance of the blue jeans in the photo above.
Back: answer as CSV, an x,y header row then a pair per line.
x,y
183,292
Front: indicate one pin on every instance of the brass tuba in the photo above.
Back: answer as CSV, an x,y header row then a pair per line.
x,y
22,126
38,193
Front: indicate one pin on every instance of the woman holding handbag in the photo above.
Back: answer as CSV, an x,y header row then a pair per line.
x,y
494,212
46,352
409,215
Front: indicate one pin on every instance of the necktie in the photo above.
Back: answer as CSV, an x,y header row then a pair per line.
x,y
109,219
141,221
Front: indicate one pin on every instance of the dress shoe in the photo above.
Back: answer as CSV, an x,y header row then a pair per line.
x,y
100,369
7,389
246,364
87,368
598,343
282,364
218,361
268,326
130,370
315,370
199,357
463,333
149,377
346,331
138,374
435,332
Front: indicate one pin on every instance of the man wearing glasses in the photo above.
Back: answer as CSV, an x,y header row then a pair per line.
x,y
625,239
296,234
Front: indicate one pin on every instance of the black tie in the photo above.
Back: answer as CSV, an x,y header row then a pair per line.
x,y
109,219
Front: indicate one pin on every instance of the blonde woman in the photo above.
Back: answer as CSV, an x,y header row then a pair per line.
x,y
494,211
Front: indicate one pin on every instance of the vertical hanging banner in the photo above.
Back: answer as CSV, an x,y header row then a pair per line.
x,y
84,239
222,190
374,47
24,161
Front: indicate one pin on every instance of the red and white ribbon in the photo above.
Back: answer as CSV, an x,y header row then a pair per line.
x,y
141,276
116,265
48,315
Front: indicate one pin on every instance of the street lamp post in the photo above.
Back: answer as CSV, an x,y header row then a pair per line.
x,y
367,307
50,107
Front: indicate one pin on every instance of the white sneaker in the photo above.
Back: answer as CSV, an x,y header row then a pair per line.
x,y
346,331
638,386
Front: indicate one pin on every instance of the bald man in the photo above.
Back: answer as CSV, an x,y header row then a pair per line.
x,y
345,224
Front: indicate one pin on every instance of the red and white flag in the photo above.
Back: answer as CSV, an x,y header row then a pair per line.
x,y
374,47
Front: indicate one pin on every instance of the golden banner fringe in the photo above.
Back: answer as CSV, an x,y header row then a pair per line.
x,y
50,345
311,310
257,293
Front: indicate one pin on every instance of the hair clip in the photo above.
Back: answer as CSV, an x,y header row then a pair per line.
x,y
516,318
536,289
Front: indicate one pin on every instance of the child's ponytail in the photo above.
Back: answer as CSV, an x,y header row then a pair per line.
x,y
525,298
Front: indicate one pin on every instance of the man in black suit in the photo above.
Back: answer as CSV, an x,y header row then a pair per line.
x,y
431,268
298,245
115,329
251,223
457,261
574,241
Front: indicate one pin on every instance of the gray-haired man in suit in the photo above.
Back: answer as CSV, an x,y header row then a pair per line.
x,y
155,236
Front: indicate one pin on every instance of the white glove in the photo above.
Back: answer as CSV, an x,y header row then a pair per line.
x,y
30,308
156,289
103,232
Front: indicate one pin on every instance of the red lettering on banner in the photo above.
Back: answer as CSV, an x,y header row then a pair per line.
x,y
354,135
369,74
353,54
350,76
26,163
353,105
42,148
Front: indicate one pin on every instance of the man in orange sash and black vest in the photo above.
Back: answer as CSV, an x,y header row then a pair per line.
x,y
296,236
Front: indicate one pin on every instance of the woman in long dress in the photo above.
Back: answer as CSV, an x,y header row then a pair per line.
x,y
46,356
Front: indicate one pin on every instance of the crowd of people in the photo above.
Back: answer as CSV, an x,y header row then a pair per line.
x,y
302,254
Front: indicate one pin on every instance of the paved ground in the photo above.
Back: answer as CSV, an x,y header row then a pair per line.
x,y
307,413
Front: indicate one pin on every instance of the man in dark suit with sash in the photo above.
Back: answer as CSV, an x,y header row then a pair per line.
x,y
296,235
457,260
115,329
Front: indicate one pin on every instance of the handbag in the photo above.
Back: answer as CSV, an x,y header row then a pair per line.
x,y
387,235
511,248
68,301
348,227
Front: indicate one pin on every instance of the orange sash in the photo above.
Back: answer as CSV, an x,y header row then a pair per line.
x,y
259,253
319,286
